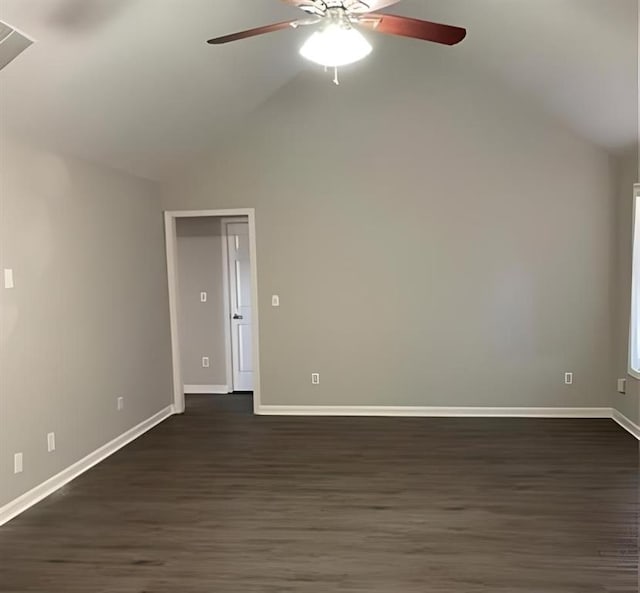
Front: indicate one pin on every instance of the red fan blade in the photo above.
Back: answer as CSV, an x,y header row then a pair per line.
x,y
251,33
406,27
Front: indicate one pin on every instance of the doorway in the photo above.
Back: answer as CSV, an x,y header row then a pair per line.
x,y
213,297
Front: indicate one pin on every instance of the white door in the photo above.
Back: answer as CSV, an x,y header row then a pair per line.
x,y
240,301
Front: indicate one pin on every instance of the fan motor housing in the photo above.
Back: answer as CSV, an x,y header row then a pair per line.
x,y
321,7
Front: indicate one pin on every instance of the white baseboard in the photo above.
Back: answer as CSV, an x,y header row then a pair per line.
x,y
27,500
35,495
437,412
456,412
627,424
206,389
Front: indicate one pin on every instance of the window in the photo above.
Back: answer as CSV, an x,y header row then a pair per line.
x,y
634,340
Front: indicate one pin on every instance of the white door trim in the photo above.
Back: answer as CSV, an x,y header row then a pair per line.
x,y
227,295
170,217
226,305
633,372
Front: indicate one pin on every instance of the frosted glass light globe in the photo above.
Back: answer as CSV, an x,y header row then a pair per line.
x,y
336,45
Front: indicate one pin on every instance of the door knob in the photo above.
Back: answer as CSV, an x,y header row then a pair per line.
x,y
236,316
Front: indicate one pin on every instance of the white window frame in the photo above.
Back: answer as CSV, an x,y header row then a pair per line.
x,y
634,331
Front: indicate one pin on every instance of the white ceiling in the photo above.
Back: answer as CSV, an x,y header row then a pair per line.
x,y
131,83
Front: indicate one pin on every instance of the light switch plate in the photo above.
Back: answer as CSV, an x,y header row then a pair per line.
x,y
51,442
568,378
17,463
622,386
205,362
8,278
275,301
203,297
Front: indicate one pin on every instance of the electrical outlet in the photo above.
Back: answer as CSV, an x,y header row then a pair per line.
x,y
203,297
205,362
622,386
120,404
568,378
51,442
8,278
315,378
17,463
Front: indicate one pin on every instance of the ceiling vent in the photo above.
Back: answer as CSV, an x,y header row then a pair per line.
x,y
12,44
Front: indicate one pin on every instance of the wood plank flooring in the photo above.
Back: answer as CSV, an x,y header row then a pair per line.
x,y
220,501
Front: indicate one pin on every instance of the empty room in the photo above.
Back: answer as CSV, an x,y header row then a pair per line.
x,y
319,296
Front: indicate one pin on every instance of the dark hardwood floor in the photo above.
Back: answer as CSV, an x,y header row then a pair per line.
x,y
219,501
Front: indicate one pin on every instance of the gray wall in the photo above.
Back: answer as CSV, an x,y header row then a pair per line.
x,y
435,238
201,324
627,168
88,319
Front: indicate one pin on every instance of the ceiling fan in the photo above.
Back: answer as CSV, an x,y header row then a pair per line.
x,y
337,42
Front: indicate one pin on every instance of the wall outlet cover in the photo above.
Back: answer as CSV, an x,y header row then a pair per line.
x,y
17,463
8,278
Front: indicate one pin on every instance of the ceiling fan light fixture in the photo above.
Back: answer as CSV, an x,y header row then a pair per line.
x,y
336,45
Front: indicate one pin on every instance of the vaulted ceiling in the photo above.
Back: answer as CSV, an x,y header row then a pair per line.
x,y
132,84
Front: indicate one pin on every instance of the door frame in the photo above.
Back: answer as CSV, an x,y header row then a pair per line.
x,y
227,288
171,240
635,271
